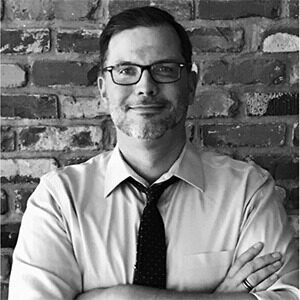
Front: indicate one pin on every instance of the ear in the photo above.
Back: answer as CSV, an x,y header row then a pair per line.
x,y
192,85
102,87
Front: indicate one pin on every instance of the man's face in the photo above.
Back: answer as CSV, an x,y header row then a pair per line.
x,y
147,109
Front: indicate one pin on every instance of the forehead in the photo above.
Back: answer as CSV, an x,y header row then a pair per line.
x,y
144,45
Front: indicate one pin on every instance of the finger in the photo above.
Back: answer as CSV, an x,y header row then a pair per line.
x,y
266,283
245,258
261,275
257,264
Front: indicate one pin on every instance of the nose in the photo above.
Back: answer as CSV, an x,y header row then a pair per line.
x,y
146,85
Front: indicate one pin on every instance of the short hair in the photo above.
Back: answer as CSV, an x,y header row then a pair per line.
x,y
146,16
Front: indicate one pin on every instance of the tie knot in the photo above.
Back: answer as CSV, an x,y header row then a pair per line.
x,y
154,192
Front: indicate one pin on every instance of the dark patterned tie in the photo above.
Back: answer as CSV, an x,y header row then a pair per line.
x,y
150,267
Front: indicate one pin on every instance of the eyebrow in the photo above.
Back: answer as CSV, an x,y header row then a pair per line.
x,y
127,62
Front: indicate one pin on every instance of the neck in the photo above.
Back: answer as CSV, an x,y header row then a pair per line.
x,y
152,158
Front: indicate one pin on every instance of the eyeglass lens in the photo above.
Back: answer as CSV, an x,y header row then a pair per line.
x,y
161,72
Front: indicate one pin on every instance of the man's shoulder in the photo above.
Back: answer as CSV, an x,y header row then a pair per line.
x,y
226,167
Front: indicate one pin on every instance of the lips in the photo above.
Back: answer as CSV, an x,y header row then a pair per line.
x,y
147,107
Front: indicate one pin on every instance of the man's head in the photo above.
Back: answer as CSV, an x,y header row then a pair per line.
x,y
145,17
146,75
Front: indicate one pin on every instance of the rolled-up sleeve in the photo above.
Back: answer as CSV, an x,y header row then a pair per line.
x,y
265,220
44,265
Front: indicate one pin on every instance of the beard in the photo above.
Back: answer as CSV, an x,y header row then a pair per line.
x,y
151,127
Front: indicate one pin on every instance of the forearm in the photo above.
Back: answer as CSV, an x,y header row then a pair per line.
x,y
134,292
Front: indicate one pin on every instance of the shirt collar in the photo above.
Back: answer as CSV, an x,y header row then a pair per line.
x,y
187,167
116,172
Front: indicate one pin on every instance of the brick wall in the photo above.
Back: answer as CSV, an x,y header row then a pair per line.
x,y
246,104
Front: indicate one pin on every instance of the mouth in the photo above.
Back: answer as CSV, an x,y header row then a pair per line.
x,y
147,108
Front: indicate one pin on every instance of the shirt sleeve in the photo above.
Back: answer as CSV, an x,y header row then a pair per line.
x,y
265,220
44,265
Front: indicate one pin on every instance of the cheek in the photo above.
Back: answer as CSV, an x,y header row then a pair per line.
x,y
117,96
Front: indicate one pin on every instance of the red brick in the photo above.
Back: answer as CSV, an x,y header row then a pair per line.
x,y
29,106
272,104
266,71
75,160
224,9
78,10
217,39
8,139
82,107
17,41
1,9
81,41
21,197
259,135
293,6
25,170
12,76
180,9
9,235
294,71
4,291
49,73
4,202
214,103
281,39
36,10
5,266
294,222
292,202
63,138
279,166
296,135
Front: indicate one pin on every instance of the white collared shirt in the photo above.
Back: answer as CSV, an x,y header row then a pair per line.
x,y
79,230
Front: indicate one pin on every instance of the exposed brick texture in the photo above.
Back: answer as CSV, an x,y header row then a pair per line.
x,y
82,107
217,39
293,6
260,135
29,106
246,53
281,42
15,41
294,221
223,9
49,73
296,135
4,202
272,104
265,71
279,166
78,10
12,76
81,41
37,10
1,9
181,9
216,103
26,169
8,139
5,266
9,235
62,138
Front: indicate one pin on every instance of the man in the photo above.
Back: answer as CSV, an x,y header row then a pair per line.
x,y
88,228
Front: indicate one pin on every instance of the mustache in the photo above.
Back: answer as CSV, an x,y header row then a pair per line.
x,y
148,102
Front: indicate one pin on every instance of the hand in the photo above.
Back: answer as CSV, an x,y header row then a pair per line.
x,y
259,272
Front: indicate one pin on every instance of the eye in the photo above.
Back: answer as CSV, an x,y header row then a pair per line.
x,y
126,70
165,69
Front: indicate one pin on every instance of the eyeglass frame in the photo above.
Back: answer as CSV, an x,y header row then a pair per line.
x,y
142,68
